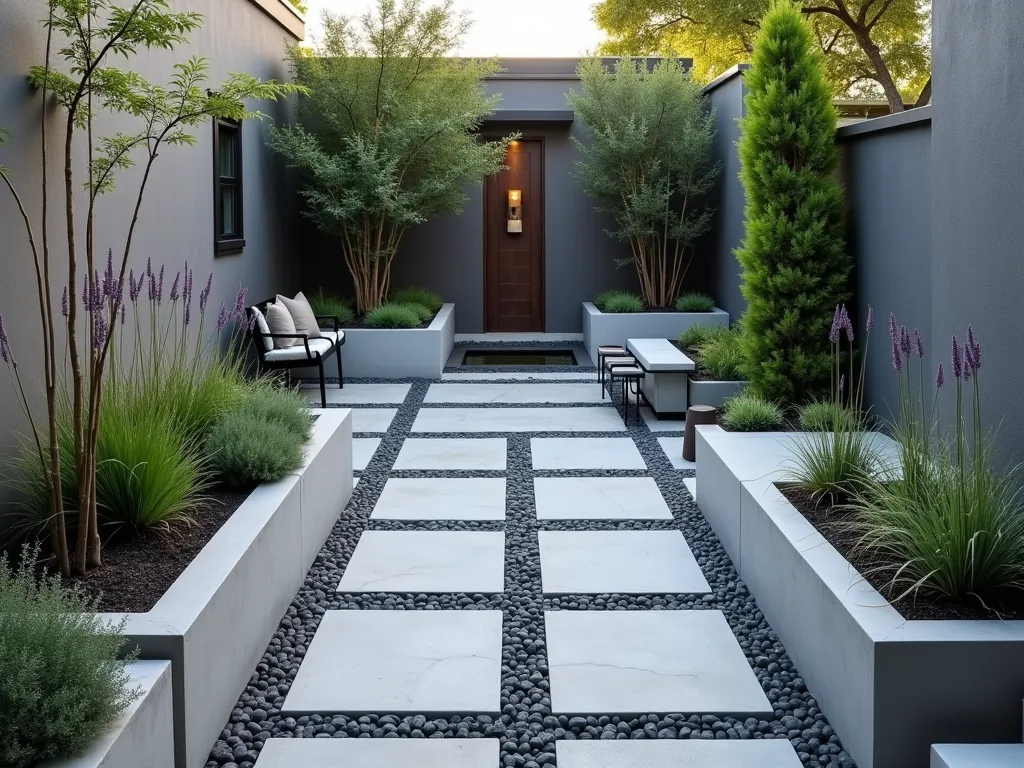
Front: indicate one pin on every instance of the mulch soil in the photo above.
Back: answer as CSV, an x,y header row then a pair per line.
x,y
360,322
830,523
138,568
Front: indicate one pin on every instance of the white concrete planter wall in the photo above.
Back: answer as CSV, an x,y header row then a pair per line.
x,y
601,329
714,393
890,687
144,734
400,353
216,619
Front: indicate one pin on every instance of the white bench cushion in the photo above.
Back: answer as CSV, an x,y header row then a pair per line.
x,y
323,345
334,336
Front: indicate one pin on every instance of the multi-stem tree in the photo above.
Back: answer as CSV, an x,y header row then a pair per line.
x,y
647,162
86,39
388,135
795,265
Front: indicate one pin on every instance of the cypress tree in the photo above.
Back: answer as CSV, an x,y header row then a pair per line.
x,y
795,267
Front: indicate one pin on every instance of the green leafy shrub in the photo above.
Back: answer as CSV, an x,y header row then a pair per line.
x,y
416,295
748,412
393,316
326,305
795,264
265,400
722,356
246,449
425,314
822,416
695,302
696,336
63,682
622,301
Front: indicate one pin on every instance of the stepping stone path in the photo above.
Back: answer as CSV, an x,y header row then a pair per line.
x,y
521,581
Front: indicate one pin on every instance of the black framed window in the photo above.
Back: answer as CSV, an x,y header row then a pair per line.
x,y
229,232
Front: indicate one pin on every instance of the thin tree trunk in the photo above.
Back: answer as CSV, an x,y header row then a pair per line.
x,y
883,75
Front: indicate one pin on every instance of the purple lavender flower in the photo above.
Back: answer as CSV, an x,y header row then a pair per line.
x,y
918,343
204,295
957,361
5,345
174,287
109,287
222,318
251,323
892,327
188,311
833,335
152,287
940,377
187,290
122,314
905,341
65,310
871,319
98,297
239,310
99,331
847,325
149,267
86,299
133,289
975,348
897,358
968,363
160,286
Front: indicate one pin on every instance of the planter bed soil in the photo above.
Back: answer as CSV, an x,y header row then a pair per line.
x,y
138,569
830,523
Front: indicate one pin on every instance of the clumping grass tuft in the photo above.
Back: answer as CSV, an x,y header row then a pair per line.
x,y
246,449
696,336
825,416
837,463
722,356
695,302
63,682
621,301
425,314
416,295
748,412
327,305
267,401
393,316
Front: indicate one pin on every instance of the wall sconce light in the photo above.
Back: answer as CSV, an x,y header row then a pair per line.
x,y
515,211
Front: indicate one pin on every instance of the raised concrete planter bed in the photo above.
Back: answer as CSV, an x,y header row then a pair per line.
x,y
400,353
214,622
600,329
977,755
144,734
890,687
713,393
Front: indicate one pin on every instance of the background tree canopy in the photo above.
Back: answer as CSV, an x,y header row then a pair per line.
x,y
872,47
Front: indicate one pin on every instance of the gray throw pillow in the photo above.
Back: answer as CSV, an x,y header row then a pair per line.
x,y
302,315
280,321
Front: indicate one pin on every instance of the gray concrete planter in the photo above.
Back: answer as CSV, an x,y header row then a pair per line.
x,y
400,353
144,734
713,393
216,619
890,687
600,329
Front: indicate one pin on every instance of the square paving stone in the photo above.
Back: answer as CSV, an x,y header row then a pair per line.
x,y
359,394
427,561
363,449
372,419
515,394
663,753
452,453
618,562
585,453
661,425
634,662
434,663
441,498
583,419
691,486
673,448
379,753
599,498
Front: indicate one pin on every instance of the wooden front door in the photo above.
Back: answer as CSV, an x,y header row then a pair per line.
x,y
514,261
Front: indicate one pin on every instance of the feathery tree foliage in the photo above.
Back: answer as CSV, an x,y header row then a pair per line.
x,y
387,138
647,163
795,267
870,46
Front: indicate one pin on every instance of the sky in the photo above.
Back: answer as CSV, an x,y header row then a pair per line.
x,y
504,27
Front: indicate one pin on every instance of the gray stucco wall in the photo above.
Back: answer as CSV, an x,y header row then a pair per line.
x,y
886,170
447,254
977,187
176,222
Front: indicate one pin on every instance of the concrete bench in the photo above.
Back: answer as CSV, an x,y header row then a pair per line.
x,y
665,384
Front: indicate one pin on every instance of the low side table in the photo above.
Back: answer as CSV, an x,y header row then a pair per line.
x,y
696,414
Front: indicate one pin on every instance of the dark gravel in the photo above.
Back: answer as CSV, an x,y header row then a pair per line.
x,y
526,726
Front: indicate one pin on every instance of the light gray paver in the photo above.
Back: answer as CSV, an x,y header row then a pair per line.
x,y
586,453
372,419
452,453
513,393
599,498
363,449
661,425
673,448
587,419
623,562
691,486
416,662
360,394
664,753
441,498
632,662
379,753
427,561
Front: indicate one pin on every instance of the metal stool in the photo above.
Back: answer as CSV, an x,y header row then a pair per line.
x,y
605,352
611,362
630,376
696,414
